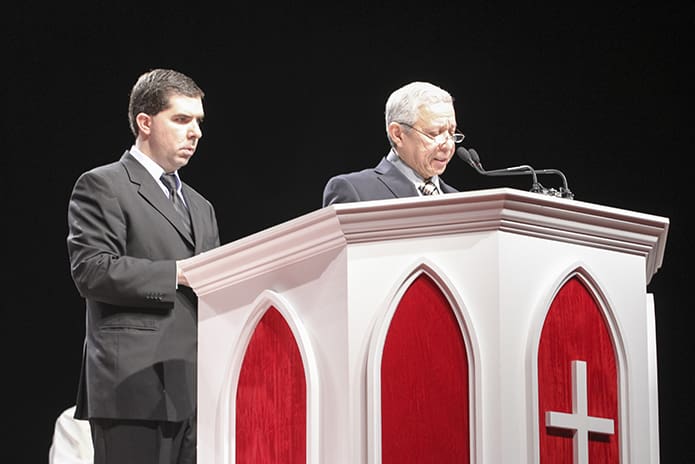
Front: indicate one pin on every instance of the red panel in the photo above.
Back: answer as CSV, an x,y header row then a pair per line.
x,y
271,397
575,329
424,382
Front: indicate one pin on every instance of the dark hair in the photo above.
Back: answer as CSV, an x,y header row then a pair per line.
x,y
152,91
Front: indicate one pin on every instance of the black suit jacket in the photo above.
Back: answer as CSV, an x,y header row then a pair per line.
x,y
140,347
380,183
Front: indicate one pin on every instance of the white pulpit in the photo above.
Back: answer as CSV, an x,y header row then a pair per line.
x,y
493,326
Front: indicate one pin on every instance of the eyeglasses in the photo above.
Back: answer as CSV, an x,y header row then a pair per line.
x,y
456,137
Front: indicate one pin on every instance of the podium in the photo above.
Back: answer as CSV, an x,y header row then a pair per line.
x,y
492,326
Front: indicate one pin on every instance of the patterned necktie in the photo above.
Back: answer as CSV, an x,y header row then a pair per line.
x,y
428,188
169,180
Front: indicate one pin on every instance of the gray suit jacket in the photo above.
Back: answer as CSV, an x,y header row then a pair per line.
x,y
140,348
380,183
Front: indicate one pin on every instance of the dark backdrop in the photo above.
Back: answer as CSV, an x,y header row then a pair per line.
x,y
295,95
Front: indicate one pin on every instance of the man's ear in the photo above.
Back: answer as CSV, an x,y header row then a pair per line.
x,y
144,122
396,133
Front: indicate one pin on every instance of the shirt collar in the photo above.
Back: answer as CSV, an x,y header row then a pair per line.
x,y
409,172
152,167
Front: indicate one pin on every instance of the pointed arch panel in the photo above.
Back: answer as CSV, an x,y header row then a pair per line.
x,y
424,381
576,334
271,396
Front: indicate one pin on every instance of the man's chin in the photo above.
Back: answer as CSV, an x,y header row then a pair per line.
x,y
438,167
182,161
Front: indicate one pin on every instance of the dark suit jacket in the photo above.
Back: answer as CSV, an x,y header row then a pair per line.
x,y
380,183
140,347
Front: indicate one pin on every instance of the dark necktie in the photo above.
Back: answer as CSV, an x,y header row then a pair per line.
x,y
169,180
428,188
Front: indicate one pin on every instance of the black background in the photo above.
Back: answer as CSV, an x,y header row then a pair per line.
x,y
295,95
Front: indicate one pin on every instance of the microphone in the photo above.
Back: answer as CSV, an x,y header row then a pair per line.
x,y
471,157
564,191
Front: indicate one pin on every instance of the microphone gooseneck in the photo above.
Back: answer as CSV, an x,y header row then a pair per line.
x,y
471,157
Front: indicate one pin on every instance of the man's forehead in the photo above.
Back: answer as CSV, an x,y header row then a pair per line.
x,y
438,113
184,104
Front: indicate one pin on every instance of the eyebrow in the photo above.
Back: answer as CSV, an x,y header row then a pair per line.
x,y
188,115
446,127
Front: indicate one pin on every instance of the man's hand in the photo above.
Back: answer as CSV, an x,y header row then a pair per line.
x,y
180,277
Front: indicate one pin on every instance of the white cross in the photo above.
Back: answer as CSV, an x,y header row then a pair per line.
x,y
579,421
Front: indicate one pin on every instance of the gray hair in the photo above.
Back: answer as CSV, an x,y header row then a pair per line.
x,y
404,104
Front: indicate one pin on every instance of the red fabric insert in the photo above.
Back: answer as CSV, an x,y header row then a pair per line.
x,y
424,381
575,329
271,397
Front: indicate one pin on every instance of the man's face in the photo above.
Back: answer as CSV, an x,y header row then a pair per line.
x,y
174,132
426,147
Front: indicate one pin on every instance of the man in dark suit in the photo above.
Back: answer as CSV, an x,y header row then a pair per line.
x,y
126,235
421,128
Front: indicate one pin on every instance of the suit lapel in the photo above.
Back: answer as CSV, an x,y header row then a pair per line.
x,y
446,188
399,184
153,194
395,180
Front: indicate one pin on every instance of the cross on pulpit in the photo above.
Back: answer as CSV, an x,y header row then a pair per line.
x,y
579,420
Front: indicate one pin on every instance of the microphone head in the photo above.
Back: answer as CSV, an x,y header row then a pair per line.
x,y
471,157
474,156
465,155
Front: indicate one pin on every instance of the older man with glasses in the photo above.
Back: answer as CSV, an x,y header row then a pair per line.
x,y
421,128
